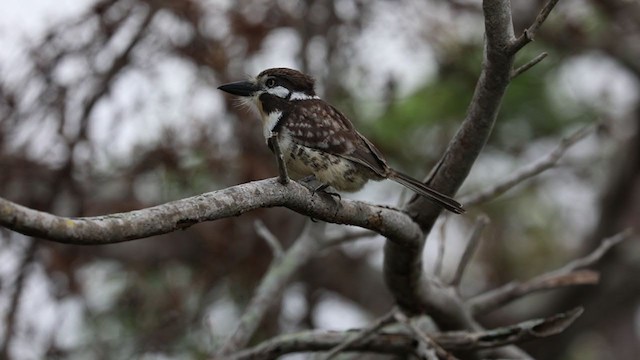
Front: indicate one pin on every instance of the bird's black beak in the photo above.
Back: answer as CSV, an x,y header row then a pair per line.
x,y
240,88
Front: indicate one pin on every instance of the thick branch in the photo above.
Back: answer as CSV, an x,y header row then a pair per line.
x,y
232,201
403,266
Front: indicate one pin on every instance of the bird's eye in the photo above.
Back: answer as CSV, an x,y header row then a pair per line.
x,y
270,83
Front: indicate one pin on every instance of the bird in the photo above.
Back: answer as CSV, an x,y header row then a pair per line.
x,y
316,139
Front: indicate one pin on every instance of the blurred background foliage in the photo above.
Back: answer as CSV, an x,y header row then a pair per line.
x,y
111,105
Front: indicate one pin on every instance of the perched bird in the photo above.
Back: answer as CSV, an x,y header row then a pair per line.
x,y
317,139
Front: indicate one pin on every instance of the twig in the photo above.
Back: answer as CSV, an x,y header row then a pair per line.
x,y
283,176
472,244
12,312
270,289
437,269
364,334
529,171
322,340
598,253
494,299
419,335
517,72
348,237
529,34
403,343
568,275
269,238
521,332
109,76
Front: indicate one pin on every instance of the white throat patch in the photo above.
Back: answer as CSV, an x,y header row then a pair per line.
x,y
270,122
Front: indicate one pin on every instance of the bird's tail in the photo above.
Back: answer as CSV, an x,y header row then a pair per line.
x,y
422,189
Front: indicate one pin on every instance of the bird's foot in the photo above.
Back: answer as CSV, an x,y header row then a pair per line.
x,y
317,187
322,189
310,182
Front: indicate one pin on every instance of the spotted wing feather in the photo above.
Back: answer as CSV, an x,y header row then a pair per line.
x,y
318,125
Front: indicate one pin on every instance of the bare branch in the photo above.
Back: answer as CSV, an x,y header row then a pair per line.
x,y
108,77
598,253
348,237
322,340
270,289
403,266
472,244
403,344
503,295
529,171
16,297
232,201
568,275
386,319
533,62
419,335
437,268
269,238
529,34
521,332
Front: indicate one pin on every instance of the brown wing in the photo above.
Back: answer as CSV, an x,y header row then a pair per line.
x,y
318,125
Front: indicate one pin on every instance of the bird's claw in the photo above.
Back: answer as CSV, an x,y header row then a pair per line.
x,y
308,182
311,183
322,189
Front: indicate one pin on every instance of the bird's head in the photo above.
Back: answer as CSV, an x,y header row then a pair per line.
x,y
272,93
281,83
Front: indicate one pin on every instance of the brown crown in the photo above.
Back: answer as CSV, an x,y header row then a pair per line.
x,y
299,81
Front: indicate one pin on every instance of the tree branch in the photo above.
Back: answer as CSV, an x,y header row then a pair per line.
x,y
385,320
531,63
12,312
270,289
403,344
232,201
269,238
530,170
568,275
420,336
403,268
530,33
472,244
437,267
348,237
403,265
